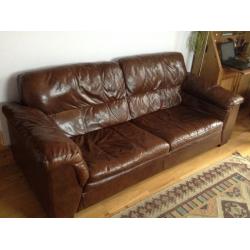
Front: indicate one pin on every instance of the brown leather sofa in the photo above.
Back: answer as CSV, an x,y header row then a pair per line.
x,y
84,132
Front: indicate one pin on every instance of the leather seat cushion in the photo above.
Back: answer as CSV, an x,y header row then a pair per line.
x,y
179,125
111,150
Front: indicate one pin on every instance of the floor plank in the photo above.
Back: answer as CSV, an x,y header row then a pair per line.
x,y
17,199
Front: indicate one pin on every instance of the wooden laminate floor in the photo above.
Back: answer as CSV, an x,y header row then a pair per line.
x,y
17,199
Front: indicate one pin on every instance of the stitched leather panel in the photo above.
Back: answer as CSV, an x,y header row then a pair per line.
x,y
179,125
80,98
153,81
115,149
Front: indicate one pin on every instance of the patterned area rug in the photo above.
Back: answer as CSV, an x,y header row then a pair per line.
x,y
222,190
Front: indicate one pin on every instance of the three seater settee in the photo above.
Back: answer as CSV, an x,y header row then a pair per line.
x,y
86,131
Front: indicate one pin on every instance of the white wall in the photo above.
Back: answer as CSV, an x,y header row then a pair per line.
x,y
21,51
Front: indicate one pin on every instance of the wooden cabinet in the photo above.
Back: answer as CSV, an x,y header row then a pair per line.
x,y
244,87
229,80
228,83
207,64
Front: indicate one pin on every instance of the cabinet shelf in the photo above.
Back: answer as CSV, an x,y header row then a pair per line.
x,y
207,64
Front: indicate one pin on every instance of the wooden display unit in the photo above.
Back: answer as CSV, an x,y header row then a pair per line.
x,y
207,64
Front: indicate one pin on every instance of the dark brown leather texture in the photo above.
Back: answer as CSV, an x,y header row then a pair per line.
x,y
45,153
84,132
115,149
80,98
215,100
179,125
212,94
153,81
96,191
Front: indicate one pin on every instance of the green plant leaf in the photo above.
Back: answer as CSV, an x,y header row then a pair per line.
x,y
197,40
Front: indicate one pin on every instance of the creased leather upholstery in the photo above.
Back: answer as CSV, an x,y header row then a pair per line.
x,y
214,100
213,94
115,149
179,125
96,191
153,81
45,146
80,98
227,116
87,131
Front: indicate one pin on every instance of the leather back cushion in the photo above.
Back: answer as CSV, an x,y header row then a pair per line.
x,y
81,98
153,81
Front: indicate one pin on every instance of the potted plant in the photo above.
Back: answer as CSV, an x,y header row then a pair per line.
x,y
197,41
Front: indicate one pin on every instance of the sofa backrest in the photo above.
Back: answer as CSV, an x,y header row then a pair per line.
x,y
80,98
153,81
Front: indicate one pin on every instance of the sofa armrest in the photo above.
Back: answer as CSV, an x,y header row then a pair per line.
x,y
52,162
213,94
215,100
